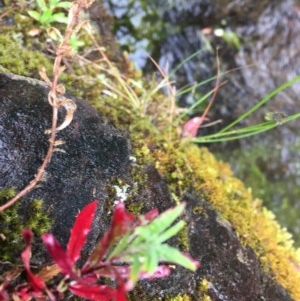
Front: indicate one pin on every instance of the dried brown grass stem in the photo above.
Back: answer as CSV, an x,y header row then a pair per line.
x,y
64,50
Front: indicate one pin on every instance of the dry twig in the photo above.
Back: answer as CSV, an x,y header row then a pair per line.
x,y
55,96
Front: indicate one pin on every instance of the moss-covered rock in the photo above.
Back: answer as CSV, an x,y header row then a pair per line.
x,y
244,253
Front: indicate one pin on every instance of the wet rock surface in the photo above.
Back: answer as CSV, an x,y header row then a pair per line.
x,y
232,270
93,152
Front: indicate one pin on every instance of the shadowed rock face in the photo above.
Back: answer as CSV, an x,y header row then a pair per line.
x,y
93,152
232,270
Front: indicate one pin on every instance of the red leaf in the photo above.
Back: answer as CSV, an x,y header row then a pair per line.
x,y
28,237
160,272
58,255
121,290
151,215
190,128
121,217
122,221
96,292
121,293
35,282
3,293
80,231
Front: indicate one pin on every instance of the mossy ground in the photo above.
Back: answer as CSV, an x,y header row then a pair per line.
x,y
182,164
11,226
277,188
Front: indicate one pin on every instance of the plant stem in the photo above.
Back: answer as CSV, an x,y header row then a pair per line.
x,y
63,50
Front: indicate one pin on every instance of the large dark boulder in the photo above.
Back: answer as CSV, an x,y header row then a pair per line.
x,y
93,152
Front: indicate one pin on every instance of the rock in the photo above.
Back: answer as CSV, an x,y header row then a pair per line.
x,y
232,270
93,152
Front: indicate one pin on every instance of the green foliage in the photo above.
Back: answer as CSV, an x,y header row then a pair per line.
x,y
19,60
47,15
228,133
256,167
12,223
75,43
145,247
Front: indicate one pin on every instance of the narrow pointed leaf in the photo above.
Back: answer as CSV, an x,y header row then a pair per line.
x,y
96,292
64,4
152,214
135,269
164,221
80,231
36,283
59,256
173,230
122,221
151,263
60,18
170,254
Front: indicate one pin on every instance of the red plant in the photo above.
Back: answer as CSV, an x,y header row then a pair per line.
x,y
84,281
191,127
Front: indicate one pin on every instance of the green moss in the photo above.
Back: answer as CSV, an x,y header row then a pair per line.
x,y
255,167
12,223
184,240
136,209
203,288
254,224
19,60
179,298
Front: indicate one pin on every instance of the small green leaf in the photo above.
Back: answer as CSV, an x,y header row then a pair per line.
x,y
122,245
151,262
35,15
135,269
170,254
170,232
64,4
153,230
163,221
46,17
75,43
60,18
42,5
145,232
53,4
